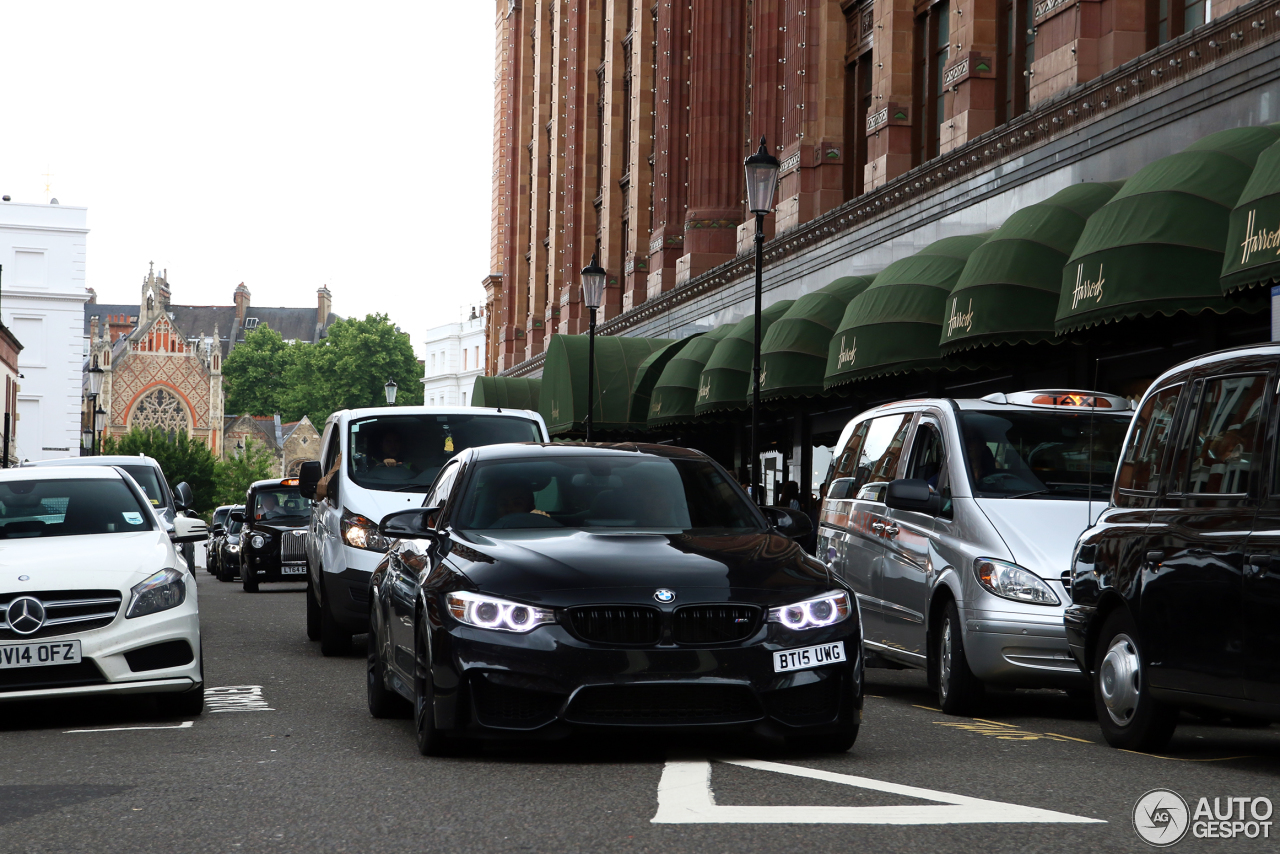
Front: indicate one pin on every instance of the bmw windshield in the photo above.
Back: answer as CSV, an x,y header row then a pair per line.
x,y
1021,454
403,453
594,491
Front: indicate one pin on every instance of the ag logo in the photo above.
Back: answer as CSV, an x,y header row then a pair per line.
x,y
1161,817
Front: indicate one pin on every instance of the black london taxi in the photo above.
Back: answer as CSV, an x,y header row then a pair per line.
x,y
1176,588
273,540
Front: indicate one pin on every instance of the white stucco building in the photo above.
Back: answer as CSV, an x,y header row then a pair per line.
x,y
454,357
42,297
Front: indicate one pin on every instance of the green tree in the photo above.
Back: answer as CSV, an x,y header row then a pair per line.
x,y
349,369
233,477
254,373
180,457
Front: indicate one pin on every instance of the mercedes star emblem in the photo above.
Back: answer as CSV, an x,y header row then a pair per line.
x,y
25,615
664,595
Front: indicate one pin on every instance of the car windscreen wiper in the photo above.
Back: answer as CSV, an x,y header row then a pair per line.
x,y
1027,494
412,487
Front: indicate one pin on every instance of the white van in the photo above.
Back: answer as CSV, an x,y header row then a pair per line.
x,y
389,457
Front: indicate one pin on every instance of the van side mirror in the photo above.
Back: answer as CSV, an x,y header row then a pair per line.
x,y
309,475
182,496
913,495
415,524
791,524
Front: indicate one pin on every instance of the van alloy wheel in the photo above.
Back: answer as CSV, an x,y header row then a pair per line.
x,y
959,691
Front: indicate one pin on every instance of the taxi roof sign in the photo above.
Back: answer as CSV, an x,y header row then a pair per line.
x,y
1062,399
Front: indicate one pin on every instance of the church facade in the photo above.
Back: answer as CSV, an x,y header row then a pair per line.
x,y
162,367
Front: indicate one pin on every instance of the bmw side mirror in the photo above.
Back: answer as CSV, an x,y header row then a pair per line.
x,y
415,524
182,496
309,475
791,524
236,516
913,495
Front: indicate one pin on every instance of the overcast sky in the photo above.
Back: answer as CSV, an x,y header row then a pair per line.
x,y
285,145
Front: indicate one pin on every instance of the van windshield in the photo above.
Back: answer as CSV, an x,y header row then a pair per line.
x,y
1042,454
403,453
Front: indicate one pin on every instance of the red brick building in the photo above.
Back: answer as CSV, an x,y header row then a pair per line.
x,y
621,126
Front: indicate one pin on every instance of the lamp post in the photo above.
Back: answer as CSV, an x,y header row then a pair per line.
x,y
96,375
593,277
390,389
762,180
86,440
99,425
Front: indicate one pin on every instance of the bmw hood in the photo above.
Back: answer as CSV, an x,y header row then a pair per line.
x,y
1040,533
83,562
559,567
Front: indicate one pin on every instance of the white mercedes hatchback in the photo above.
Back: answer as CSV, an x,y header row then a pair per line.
x,y
93,596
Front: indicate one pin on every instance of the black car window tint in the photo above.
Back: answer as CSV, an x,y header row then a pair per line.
x,y
881,449
62,508
591,492
1216,452
283,502
1140,466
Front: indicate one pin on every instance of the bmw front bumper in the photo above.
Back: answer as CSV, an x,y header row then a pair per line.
x,y
549,682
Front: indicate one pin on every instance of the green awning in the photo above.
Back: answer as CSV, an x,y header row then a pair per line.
x,y
894,325
1253,232
563,402
793,357
676,391
647,376
506,392
1157,246
726,378
1009,290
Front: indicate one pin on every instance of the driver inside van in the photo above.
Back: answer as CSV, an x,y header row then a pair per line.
x,y
391,449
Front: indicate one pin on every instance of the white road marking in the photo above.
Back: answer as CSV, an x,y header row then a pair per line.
x,y
236,698
685,797
183,725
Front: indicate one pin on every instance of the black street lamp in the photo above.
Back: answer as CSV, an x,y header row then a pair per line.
x,y
390,389
593,277
99,425
96,375
762,180
86,440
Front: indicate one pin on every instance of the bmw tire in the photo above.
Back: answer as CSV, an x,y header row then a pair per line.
x,y
383,702
431,740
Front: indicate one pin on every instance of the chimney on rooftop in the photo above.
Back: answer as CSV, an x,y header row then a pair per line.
x,y
324,305
242,304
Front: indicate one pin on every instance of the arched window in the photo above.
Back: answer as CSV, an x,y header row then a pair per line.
x,y
160,408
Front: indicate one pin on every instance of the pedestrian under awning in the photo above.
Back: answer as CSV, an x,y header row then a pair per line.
x,y
894,325
793,355
1253,231
1009,290
506,392
1157,247
563,401
676,392
725,384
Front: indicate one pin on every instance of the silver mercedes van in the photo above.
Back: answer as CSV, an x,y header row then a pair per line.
x,y
954,520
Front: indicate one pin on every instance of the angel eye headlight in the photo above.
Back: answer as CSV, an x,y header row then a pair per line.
x,y
825,610
488,612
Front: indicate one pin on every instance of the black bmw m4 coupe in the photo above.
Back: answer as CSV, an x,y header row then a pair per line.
x,y
543,589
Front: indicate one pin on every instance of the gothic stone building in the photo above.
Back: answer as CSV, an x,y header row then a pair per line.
x,y
163,365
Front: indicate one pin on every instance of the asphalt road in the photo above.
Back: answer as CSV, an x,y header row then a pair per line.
x,y
304,768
